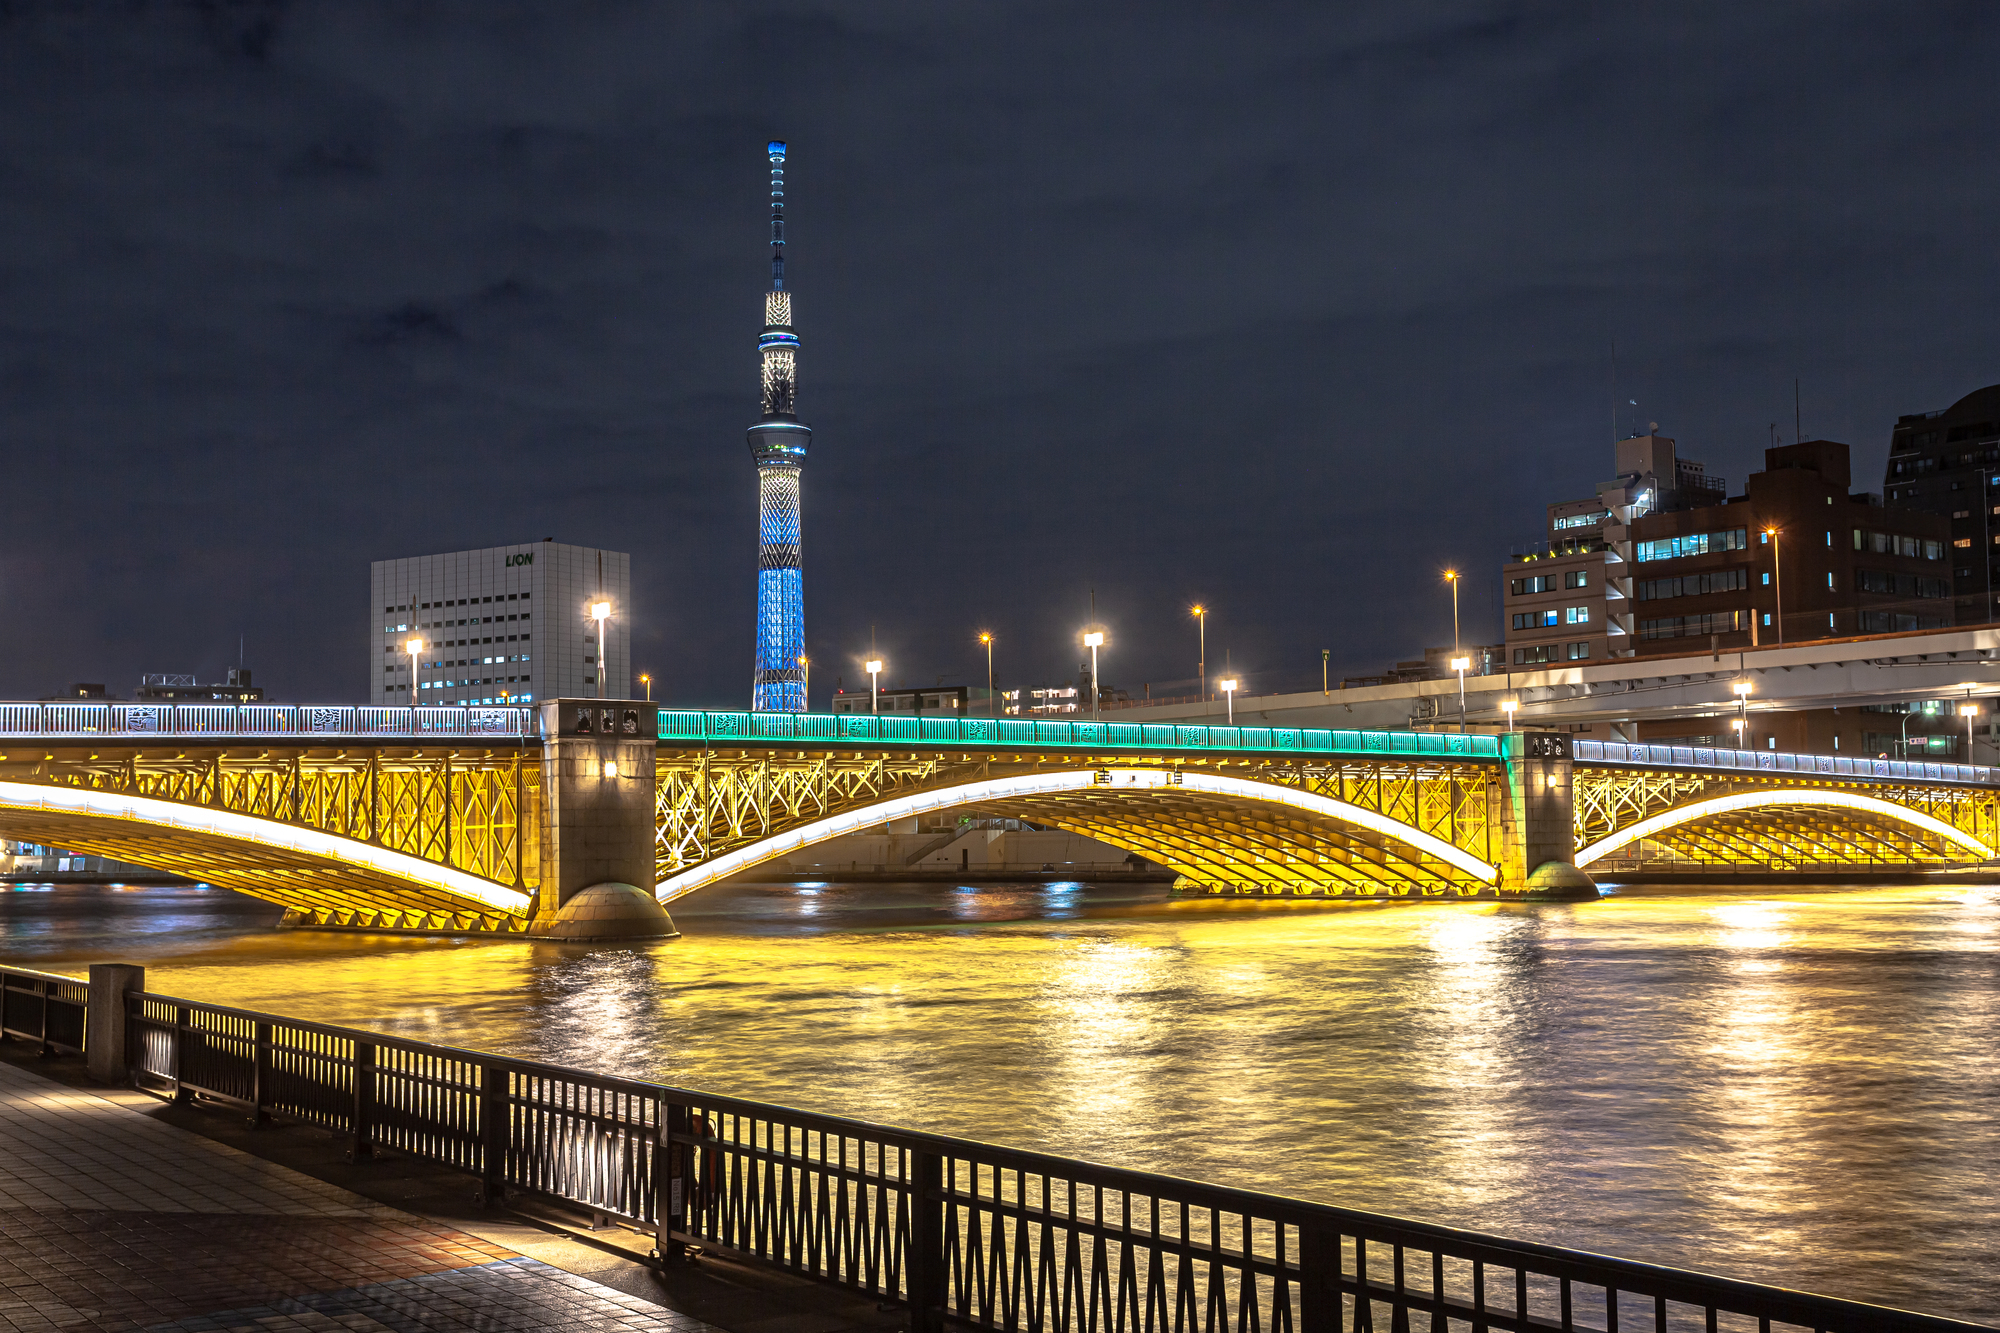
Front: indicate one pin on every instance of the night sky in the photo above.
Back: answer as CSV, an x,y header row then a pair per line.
x,y
1279,308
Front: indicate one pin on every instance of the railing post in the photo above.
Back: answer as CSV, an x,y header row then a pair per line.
x,y
492,1134
105,1029
260,1073
1319,1274
926,1272
363,1117
671,1185
181,1094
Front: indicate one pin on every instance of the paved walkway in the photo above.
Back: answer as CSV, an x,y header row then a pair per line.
x,y
112,1220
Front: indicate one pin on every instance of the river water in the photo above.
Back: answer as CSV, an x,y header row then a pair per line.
x,y
1792,1085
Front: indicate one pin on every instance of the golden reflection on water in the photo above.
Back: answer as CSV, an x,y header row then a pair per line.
x,y
1796,1085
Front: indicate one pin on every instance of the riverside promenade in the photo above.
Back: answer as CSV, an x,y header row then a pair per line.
x,y
114,1218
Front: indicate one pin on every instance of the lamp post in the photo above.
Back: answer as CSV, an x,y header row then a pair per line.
x,y
414,646
805,683
874,666
1777,581
1508,706
1968,711
647,681
1736,724
1459,664
1093,641
1228,688
1451,577
1742,724
992,704
600,612
1906,733
1324,653
1200,614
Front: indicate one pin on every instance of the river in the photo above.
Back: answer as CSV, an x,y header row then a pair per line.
x,y
1793,1085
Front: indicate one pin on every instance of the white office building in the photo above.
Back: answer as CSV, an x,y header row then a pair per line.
x,y
509,624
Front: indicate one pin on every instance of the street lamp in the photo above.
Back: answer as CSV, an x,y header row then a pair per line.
x,y
1459,664
1777,580
601,613
1508,706
647,681
1451,577
874,667
1741,689
1968,711
1324,653
1093,641
1737,725
414,646
1228,688
805,683
992,706
1200,614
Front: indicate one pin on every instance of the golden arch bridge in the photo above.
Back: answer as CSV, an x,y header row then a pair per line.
x,y
484,819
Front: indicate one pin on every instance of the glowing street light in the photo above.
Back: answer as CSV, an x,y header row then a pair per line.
x,y
1968,711
414,646
1228,688
1777,581
992,706
1451,577
1508,706
1093,641
1742,691
1737,725
1200,614
874,668
805,683
647,681
1459,664
601,613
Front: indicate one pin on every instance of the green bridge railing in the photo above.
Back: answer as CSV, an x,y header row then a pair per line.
x,y
874,729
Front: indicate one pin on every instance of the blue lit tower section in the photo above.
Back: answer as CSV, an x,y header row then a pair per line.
x,y
778,443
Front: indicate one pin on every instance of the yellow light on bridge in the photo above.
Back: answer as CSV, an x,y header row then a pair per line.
x,y
1753,800
610,769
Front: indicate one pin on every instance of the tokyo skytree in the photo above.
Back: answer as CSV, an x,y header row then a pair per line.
x,y
778,443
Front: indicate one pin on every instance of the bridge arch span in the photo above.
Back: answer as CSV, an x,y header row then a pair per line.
x,y
294,866
1740,819
1196,822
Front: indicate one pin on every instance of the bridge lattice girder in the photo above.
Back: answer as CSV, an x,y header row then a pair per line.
x,y
1802,836
712,802
473,809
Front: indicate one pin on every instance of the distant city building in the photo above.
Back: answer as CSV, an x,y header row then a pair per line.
x,y
91,690
936,701
1948,463
1669,563
186,689
506,624
1483,659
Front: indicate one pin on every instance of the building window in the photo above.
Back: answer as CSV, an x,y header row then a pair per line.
x,y
1542,652
1576,615
1699,543
1963,542
1577,652
1577,578
1691,585
1539,583
1535,619
1696,626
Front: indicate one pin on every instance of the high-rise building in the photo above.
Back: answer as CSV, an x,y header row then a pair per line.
x,y
778,442
1948,463
507,624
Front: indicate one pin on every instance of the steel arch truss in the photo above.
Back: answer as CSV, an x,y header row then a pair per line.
x,y
473,810
715,803
1801,824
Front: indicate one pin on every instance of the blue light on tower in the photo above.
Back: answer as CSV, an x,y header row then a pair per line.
x,y
778,443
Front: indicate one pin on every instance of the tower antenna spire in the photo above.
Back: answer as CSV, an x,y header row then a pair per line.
x,y
778,444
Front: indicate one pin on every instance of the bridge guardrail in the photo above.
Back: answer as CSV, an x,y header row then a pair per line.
x,y
260,720
848,728
964,1234
43,1007
1777,761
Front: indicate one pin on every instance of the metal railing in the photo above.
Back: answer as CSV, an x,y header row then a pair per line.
x,y
963,1234
86,719
44,1008
847,728
1775,761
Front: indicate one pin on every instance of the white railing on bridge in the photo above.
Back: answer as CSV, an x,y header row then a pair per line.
x,y
1778,761
260,720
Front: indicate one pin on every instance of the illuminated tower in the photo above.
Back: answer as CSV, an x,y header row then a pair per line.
x,y
778,443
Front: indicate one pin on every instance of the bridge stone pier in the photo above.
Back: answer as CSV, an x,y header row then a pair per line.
x,y
597,825
1538,818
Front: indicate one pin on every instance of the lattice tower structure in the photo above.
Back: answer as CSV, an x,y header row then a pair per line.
x,y
778,443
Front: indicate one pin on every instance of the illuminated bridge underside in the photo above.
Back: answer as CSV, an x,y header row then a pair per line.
x,y
412,839
1663,821
1222,832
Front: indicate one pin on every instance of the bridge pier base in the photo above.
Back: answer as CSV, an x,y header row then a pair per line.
x,y
598,764
1538,819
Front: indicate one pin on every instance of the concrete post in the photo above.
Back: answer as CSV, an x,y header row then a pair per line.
x,y
1538,819
104,1053
597,820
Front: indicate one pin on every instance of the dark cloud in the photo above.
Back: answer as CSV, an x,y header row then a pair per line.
x,y
1282,307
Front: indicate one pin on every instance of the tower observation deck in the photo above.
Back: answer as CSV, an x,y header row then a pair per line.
x,y
778,442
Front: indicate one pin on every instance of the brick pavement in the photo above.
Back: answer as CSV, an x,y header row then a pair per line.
x,y
113,1220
